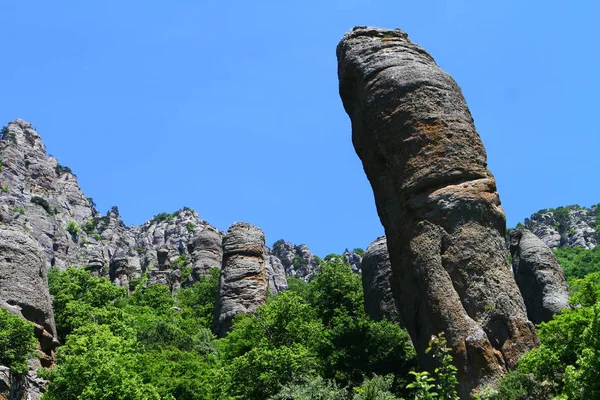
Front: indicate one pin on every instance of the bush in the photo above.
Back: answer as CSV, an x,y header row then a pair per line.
x,y
40,201
73,228
17,342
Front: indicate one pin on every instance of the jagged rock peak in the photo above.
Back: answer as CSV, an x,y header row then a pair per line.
x,y
539,276
438,203
572,226
244,282
297,260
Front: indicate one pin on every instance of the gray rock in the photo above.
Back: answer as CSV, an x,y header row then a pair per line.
x,y
297,261
571,226
538,275
24,286
244,283
276,275
437,202
354,260
377,282
206,252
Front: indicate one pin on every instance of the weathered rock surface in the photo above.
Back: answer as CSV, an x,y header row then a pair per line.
x,y
43,197
538,275
437,202
24,286
244,282
297,261
354,260
377,282
276,275
24,292
572,226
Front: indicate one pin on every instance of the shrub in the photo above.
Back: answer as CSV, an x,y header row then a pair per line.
x,y
359,251
5,188
17,342
40,201
190,227
73,228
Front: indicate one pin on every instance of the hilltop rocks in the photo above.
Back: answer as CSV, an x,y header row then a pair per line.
x,y
297,261
377,282
538,275
244,282
572,226
437,202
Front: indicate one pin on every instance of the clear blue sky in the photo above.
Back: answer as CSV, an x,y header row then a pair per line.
x,y
232,108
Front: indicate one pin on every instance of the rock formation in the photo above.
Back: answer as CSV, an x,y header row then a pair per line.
x,y
297,261
437,202
377,282
538,275
354,260
572,226
244,282
24,292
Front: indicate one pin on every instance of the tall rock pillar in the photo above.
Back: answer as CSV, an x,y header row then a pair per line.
x,y
244,283
437,202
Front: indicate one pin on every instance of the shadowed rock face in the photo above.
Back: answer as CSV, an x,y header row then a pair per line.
x,y
538,275
244,282
437,202
377,282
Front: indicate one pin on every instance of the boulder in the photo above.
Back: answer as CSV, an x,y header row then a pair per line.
x,y
243,285
538,275
276,275
438,203
377,282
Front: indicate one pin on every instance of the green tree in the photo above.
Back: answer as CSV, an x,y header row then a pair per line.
x,y
17,343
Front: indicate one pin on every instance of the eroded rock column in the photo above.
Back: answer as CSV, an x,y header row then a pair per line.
x,y
437,202
538,275
244,282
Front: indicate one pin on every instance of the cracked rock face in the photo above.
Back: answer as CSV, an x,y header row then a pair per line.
x,y
538,275
437,202
244,282
377,282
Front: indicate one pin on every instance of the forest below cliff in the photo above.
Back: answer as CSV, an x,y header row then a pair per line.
x,y
312,341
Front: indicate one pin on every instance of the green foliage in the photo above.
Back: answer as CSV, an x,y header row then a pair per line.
x,y
311,388
90,226
359,251
73,228
62,169
443,384
375,388
4,187
44,204
190,227
162,217
17,342
18,209
197,301
578,262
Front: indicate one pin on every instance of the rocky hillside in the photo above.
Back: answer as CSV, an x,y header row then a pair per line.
x,y
572,226
42,197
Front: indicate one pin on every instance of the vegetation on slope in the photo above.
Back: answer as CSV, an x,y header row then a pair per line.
x,y
313,341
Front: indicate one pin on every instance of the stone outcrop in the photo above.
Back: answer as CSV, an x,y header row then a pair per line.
x,y
244,282
297,261
538,275
377,282
437,202
24,292
353,259
24,286
572,226
276,274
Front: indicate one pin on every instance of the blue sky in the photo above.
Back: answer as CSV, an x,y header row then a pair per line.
x,y
232,108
